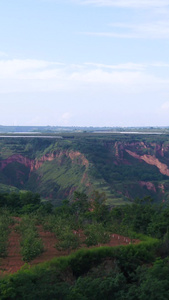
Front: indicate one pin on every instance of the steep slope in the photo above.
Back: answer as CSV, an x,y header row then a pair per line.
x,y
54,175
121,166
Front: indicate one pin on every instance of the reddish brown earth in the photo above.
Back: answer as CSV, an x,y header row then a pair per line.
x,y
34,164
13,262
49,241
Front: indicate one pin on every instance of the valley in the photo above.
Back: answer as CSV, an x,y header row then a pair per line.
x,y
123,166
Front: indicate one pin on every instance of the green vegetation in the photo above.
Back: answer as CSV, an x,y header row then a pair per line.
x,y
67,240
136,271
95,235
88,218
5,221
111,169
92,274
23,202
31,244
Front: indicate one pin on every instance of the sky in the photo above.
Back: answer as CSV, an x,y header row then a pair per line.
x,y
84,62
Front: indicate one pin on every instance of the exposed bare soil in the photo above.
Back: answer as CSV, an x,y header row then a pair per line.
x,y
13,262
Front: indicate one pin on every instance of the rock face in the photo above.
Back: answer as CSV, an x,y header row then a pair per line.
x,y
123,168
28,173
151,160
16,158
75,156
149,185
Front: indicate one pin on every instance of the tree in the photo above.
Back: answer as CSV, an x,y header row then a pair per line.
x,y
29,198
68,240
99,207
80,204
96,234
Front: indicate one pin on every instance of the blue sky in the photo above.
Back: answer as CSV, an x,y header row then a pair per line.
x,y
84,62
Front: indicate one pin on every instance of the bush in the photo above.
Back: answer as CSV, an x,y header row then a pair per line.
x,y
68,241
96,234
5,221
31,247
31,244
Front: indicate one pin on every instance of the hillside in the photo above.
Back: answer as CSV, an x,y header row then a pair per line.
x,y
123,166
96,254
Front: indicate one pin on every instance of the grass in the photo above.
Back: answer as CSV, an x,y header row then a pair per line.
x,y
4,188
106,173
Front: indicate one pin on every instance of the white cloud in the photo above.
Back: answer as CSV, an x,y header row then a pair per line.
x,y
127,3
160,65
127,66
43,76
3,54
51,93
20,68
65,118
165,106
153,30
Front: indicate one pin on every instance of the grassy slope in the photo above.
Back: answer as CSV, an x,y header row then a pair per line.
x,y
56,180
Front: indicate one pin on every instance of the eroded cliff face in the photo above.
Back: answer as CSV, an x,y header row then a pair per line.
x,y
75,156
140,148
22,177
16,158
139,179
151,160
149,185
149,153
115,167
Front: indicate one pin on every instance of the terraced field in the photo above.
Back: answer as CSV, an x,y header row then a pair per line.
x,y
14,261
